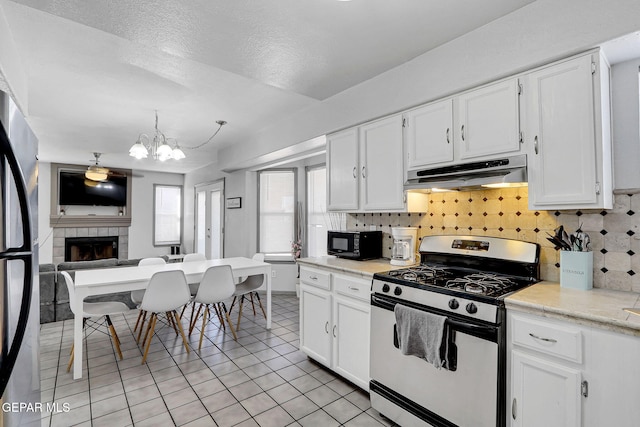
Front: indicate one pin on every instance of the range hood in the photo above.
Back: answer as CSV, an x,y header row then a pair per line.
x,y
506,171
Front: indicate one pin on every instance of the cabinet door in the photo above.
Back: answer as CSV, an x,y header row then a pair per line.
x,y
350,333
543,393
561,134
429,134
487,120
315,323
381,165
342,170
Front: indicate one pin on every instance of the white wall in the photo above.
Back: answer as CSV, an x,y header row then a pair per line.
x,y
540,32
141,230
625,106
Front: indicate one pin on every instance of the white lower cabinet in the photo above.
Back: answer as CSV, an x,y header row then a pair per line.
x,y
544,393
564,374
334,323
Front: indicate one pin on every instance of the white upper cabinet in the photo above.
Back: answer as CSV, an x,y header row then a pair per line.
x,y
365,170
488,120
568,135
343,170
428,134
381,168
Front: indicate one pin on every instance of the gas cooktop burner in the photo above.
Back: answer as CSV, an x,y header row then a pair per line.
x,y
458,279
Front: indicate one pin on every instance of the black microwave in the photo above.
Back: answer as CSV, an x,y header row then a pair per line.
x,y
358,245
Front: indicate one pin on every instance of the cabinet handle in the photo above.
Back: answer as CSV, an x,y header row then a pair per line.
x,y
585,388
363,175
326,327
354,289
514,408
462,132
448,140
535,144
542,339
313,278
355,172
334,331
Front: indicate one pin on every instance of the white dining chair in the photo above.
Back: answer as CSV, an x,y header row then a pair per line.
x,y
193,287
247,288
216,286
167,291
137,295
95,310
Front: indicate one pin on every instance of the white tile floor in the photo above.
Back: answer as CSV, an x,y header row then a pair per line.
x,y
260,380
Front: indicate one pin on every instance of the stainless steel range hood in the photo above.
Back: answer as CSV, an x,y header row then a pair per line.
x,y
500,172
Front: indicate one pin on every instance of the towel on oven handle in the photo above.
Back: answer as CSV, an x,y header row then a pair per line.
x,y
420,334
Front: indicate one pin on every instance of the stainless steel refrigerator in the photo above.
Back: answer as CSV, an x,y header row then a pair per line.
x,y
19,299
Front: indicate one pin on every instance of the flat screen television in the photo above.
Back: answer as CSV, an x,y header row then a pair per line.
x,y
75,189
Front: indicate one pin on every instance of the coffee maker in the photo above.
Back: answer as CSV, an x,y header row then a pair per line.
x,y
403,251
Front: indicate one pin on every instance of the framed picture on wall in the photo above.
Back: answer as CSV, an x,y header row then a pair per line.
x,y
234,203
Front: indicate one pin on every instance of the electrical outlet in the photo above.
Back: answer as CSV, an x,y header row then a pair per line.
x,y
273,273
636,229
372,227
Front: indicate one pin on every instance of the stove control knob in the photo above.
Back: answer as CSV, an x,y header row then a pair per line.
x,y
385,288
453,304
471,308
397,291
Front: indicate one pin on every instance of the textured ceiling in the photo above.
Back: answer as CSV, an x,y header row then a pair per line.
x,y
97,70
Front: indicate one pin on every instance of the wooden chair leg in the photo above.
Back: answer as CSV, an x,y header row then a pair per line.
x,y
144,318
264,313
146,334
70,360
171,322
192,324
205,314
253,306
114,336
240,311
193,309
138,320
179,323
220,318
149,335
233,303
235,337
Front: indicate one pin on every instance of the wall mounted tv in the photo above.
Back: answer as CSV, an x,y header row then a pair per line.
x,y
75,189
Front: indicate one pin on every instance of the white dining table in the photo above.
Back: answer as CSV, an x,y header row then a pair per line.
x,y
110,280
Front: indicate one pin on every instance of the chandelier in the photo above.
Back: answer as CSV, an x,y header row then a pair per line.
x,y
159,146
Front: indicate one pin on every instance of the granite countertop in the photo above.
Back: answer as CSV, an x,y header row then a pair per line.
x,y
364,268
601,308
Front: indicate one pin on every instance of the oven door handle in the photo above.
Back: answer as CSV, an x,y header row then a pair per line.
x,y
489,332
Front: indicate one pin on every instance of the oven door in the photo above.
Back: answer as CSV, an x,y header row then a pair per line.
x,y
407,389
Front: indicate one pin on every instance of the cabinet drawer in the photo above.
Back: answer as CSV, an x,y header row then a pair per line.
x,y
313,277
352,287
548,337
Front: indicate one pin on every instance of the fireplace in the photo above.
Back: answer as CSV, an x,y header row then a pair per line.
x,y
90,248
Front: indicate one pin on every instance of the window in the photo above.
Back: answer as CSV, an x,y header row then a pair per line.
x,y
316,244
276,212
167,215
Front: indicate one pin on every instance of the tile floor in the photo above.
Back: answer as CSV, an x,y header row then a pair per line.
x,y
260,380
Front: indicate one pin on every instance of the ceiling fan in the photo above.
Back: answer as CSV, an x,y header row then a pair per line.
x,y
97,173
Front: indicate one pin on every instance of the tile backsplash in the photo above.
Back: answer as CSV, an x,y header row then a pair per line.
x,y
614,233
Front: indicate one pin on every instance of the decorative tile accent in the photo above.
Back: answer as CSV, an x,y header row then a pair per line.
x,y
504,213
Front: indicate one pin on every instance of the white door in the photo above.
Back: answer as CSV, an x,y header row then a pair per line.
x,y
544,393
210,220
350,333
487,120
381,165
315,323
561,130
342,170
429,134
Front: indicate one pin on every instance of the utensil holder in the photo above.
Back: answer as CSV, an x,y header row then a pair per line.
x,y
576,270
